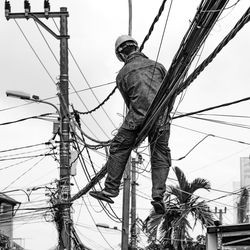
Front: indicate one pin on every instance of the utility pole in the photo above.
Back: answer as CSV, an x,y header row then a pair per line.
x,y
133,206
63,215
133,238
125,206
64,182
126,188
220,212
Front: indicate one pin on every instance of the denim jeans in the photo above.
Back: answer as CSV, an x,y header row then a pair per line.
x,y
121,148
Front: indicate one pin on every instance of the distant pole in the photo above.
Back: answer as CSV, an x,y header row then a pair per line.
x,y
220,212
133,206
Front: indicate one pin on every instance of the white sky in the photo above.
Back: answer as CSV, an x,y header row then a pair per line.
x,y
93,29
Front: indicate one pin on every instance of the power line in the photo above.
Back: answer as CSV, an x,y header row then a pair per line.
x,y
49,98
25,157
34,165
211,108
95,222
25,119
216,136
46,68
173,82
164,30
238,125
89,87
39,59
156,19
24,147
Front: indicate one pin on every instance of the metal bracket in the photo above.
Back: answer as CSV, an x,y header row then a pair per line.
x,y
35,16
36,19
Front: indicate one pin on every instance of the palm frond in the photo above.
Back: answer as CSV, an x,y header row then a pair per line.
x,y
184,186
182,180
151,225
173,226
202,213
199,183
175,191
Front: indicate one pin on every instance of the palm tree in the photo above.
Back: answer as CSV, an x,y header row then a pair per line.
x,y
172,227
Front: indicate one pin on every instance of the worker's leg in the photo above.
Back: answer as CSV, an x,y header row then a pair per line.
x,y
160,160
120,150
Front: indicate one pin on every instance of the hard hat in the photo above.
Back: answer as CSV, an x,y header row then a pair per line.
x,y
121,40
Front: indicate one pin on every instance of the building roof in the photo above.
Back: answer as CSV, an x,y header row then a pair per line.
x,y
7,199
232,235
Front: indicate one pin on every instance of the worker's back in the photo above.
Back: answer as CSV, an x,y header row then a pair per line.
x,y
138,82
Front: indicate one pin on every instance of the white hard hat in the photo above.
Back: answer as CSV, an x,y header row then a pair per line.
x,y
121,40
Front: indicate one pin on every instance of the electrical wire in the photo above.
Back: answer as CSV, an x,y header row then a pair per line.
x,y
25,157
216,136
238,125
89,87
112,215
227,193
24,147
95,223
25,119
49,98
190,45
164,30
34,165
213,107
62,98
156,19
39,59
16,164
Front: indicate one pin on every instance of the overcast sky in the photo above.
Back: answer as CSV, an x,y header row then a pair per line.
x,y
93,29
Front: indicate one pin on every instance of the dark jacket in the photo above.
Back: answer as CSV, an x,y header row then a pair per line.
x,y
138,82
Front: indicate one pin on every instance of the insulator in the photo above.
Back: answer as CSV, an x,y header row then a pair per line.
x,y
26,6
46,5
36,97
7,6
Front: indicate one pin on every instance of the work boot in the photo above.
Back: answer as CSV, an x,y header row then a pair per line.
x,y
104,195
110,192
158,206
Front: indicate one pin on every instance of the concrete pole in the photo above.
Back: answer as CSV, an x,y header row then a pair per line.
x,y
126,188
133,206
125,206
64,183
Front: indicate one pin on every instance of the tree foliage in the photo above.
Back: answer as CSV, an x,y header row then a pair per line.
x,y
172,228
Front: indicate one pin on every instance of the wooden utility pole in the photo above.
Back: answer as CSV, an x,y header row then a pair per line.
x,y
133,206
63,215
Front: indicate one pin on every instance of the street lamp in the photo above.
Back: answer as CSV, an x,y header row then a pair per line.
x,y
27,96
14,190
